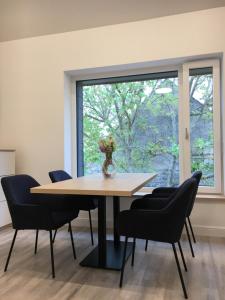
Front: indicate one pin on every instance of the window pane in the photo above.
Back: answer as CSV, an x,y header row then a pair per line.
x,y
142,116
201,123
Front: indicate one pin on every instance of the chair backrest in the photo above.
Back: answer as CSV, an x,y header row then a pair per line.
x,y
59,175
17,190
178,207
197,176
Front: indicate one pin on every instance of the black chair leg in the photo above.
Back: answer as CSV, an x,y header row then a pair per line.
x,y
192,231
182,256
133,252
72,241
10,251
52,254
189,240
53,240
36,241
146,245
91,230
179,271
124,261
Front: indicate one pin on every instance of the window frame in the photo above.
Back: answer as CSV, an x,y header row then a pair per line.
x,y
173,73
183,119
185,114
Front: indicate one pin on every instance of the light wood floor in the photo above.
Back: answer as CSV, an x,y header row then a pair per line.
x,y
154,275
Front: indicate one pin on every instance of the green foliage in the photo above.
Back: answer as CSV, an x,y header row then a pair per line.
x,y
144,124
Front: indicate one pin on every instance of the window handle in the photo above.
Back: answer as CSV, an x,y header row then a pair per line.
x,y
186,134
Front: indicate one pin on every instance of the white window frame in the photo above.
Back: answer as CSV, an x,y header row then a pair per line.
x,y
184,116
185,123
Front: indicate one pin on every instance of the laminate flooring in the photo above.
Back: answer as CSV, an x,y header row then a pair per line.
x,y
154,275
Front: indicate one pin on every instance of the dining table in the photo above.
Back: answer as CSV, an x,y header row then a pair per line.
x,y
107,254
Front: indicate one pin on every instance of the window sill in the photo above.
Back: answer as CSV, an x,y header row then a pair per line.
x,y
199,196
210,196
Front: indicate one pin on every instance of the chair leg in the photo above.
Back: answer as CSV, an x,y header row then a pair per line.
x,y
124,261
146,245
192,232
72,242
92,239
36,241
189,240
179,271
52,253
53,240
10,251
182,256
133,252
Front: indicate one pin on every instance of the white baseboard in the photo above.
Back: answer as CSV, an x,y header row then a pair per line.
x,y
200,230
214,231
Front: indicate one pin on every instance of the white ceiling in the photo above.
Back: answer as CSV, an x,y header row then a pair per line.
x,y
27,18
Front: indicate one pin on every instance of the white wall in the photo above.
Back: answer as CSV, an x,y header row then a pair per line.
x,y
32,82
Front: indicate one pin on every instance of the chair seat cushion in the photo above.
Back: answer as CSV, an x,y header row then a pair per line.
x,y
161,195
61,218
150,203
53,202
83,202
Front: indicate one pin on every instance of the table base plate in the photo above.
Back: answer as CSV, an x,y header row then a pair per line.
x,y
114,256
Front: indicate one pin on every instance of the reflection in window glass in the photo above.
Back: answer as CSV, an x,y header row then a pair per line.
x,y
201,123
142,116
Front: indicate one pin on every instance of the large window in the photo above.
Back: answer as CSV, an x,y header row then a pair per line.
x,y
153,118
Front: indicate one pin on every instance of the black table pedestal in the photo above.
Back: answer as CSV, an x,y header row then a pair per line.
x,y
108,254
113,259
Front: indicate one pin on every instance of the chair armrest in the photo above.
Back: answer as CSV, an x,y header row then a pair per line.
x,y
150,203
164,190
31,216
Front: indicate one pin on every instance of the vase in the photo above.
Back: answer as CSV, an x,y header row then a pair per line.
x,y
108,167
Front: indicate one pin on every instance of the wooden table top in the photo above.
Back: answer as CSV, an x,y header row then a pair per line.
x,y
122,184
